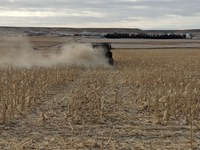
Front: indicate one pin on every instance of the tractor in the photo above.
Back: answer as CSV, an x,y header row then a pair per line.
x,y
106,47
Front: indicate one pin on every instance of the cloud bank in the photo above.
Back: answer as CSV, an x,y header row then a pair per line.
x,y
144,14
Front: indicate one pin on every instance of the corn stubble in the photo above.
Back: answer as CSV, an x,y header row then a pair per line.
x,y
138,104
20,88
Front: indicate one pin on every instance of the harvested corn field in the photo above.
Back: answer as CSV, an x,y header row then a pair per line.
x,y
148,100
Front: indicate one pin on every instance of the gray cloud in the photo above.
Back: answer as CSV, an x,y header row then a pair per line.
x,y
101,13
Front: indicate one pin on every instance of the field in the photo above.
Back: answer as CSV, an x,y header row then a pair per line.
x,y
148,100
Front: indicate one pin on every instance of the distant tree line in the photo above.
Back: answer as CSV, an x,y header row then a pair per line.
x,y
145,36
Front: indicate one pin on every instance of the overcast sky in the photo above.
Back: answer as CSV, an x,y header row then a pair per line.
x,y
143,14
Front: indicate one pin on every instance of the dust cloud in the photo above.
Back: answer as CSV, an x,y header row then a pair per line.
x,y
21,54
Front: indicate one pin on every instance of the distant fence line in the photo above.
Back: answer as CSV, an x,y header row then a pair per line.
x,y
145,36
